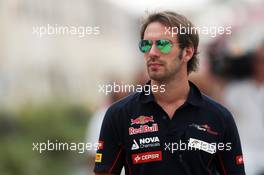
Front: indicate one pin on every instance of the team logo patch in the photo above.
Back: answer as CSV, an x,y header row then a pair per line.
x,y
239,160
100,145
98,157
202,145
146,157
145,143
143,129
205,128
141,120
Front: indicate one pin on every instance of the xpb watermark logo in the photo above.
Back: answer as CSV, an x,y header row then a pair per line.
x,y
59,30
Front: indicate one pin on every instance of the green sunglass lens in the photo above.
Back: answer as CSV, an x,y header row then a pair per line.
x,y
164,46
145,45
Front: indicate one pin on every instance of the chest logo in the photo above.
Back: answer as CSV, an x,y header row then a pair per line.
x,y
147,157
205,128
145,143
143,129
202,145
141,120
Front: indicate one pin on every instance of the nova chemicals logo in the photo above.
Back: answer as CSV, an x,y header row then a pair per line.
x,y
145,143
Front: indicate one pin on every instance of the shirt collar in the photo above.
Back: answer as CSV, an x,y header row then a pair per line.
x,y
194,97
146,95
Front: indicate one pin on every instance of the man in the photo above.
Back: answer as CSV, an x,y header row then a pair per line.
x,y
178,131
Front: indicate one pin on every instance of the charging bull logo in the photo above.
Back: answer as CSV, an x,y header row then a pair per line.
x,y
141,120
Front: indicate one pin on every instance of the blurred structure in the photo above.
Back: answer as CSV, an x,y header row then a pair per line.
x,y
246,98
34,69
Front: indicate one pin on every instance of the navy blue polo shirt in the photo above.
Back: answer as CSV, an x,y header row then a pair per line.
x,y
200,139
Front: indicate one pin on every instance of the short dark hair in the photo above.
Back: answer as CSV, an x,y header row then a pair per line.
x,y
172,19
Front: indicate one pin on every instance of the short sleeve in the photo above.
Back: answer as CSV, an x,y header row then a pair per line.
x,y
110,151
230,160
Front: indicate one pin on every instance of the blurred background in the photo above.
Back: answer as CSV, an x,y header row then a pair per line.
x,y
49,83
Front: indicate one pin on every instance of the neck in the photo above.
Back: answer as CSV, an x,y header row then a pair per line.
x,y
176,89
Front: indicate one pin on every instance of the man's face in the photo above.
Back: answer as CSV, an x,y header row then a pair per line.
x,y
160,66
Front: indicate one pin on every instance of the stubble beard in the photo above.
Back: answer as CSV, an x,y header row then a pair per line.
x,y
166,74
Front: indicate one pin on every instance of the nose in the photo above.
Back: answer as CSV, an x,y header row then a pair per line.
x,y
154,51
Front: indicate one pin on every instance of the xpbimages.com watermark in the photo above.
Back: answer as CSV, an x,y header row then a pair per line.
x,y
56,145
212,31
58,30
129,88
196,144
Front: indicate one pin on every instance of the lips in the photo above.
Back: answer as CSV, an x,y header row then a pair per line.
x,y
153,64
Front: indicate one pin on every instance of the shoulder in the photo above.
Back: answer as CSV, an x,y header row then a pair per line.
x,y
219,112
124,103
214,106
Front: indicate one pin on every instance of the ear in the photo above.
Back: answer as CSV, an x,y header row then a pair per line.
x,y
187,53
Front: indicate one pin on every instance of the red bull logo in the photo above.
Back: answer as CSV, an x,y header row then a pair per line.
x,y
141,120
143,129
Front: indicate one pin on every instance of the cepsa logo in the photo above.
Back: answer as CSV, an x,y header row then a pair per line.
x,y
147,157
